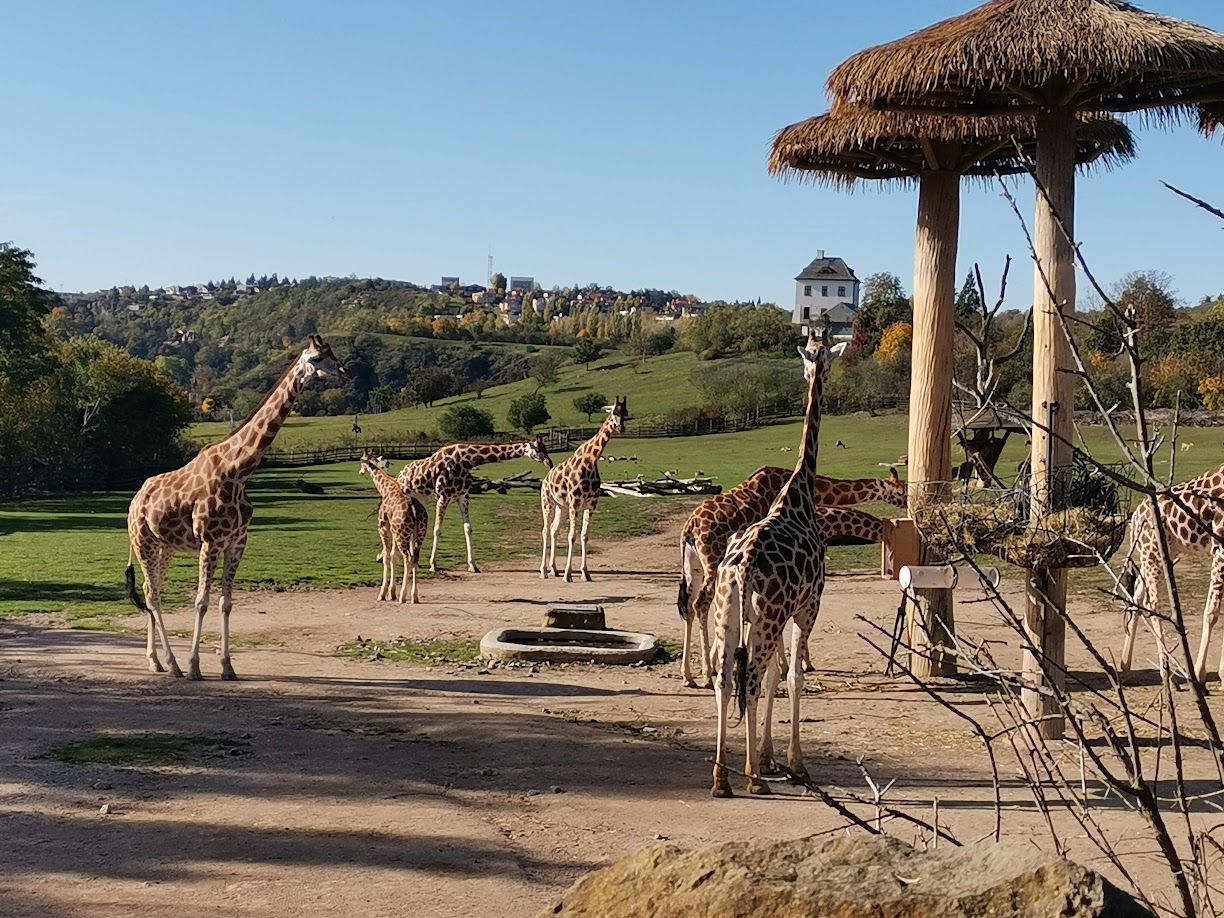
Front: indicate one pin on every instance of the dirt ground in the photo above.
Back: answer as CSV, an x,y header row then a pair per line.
x,y
377,789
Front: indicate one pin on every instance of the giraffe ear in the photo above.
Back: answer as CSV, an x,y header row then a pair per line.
x,y
892,474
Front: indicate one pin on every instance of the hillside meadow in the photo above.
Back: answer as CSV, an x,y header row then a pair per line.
x,y
66,554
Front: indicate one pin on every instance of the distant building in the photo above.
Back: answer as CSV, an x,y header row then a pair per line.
x,y
827,286
520,284
450,281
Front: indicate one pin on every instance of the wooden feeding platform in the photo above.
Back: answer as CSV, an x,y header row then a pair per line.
x,y
983,433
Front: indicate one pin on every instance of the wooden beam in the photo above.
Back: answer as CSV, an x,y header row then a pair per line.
x,y
930,429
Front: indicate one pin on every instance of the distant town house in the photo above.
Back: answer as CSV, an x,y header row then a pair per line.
x,y
827,288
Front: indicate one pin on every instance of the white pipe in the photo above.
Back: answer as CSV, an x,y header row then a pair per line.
x,y
944,576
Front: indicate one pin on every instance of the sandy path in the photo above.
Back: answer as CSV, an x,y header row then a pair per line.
x,y
372,789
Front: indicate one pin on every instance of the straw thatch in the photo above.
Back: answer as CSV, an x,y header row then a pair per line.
x,y
852,143
1211,118
1020,55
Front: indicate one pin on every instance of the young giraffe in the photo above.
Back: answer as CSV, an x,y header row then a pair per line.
x,y
204,507
447,477
574,486
703,541
773,573
402,522
1200,530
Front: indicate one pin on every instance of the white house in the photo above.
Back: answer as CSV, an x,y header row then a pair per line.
x,y
827,285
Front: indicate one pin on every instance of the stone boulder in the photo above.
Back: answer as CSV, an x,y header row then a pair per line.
x,y
859,876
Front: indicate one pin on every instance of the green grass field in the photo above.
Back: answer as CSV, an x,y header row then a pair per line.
x,y
66,554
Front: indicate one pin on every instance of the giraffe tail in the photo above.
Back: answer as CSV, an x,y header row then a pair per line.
x,y
736,607
682,598
133,593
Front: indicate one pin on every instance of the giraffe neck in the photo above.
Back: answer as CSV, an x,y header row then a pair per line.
x,y
387,486
802,484
846,492
245,447
590,451
474,454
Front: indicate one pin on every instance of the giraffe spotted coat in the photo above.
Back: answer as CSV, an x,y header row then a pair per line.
x,y
402,523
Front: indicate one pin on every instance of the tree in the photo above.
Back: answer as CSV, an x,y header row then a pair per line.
x,y
969,300
380,399
590,403
22,308
895,340
586,351
498,282
528,411
884,303
544,368
465,422
429,384
1149,297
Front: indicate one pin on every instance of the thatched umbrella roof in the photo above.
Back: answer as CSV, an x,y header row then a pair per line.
x,y
850,144
1105,55
1052,59
1210,118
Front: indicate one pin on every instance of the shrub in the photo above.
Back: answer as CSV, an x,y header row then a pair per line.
x,y
590,403
465,422
528,411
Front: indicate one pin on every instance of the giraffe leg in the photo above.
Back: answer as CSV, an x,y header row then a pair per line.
x,y
404,595
586,532
707,661
794,754
208,567
388,585
414,560
687,582
439,515
233,557
773,675
727,638
1211,613
569,555
755,784
155,567
467,532
545,510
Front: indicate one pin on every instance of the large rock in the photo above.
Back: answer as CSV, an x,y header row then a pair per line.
x,y
860,876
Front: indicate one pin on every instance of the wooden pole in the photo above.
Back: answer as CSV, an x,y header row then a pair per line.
x,y
931,622
1053,405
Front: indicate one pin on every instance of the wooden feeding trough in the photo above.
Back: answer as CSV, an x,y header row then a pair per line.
x,y
983,434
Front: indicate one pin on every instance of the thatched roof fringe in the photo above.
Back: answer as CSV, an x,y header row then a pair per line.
x,y
1013,55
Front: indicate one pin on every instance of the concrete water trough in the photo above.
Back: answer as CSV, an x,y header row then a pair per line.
x,y
569,645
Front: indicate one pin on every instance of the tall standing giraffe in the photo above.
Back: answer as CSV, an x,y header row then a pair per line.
x,y
204,507
402,522
574,486
1199,531
713,522
773,573
447,477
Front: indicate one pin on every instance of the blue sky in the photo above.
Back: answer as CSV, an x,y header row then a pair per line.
x,y
622,143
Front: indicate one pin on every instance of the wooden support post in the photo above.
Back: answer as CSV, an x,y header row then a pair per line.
x,y
931,622
1053,403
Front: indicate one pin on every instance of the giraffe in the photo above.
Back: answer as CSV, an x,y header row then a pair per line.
x,y
1201,530
773,573
447,477
574,486
402,522
703,540
204,507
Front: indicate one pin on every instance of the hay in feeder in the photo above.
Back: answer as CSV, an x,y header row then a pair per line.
x,y
1068,538
950,530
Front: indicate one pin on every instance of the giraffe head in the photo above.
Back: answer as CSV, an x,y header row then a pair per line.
x,y
818,355
535,449
319,357
370,462
618,414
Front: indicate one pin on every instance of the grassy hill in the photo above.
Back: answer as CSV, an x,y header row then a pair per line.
x,y
658,385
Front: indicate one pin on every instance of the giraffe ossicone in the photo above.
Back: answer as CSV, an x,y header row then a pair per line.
x,y
203,507
573,487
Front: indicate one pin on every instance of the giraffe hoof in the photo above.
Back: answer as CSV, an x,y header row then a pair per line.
x,y
472,568
228,675
769,766
758,787
156,667
193,671
799,776
568,578
708,684
586,576
721,791
690,682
